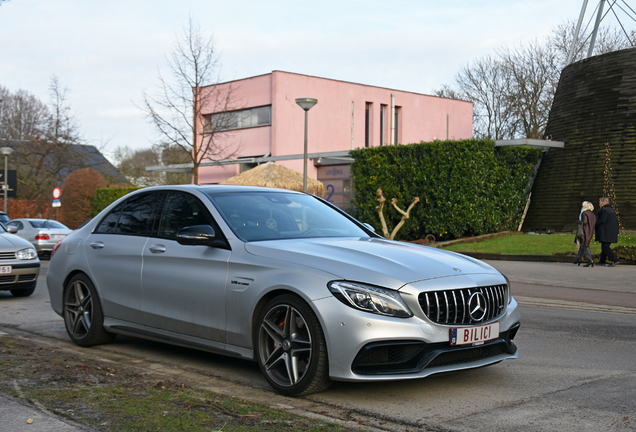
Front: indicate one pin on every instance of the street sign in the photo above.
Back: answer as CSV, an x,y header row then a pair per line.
x,y
56,203
57,193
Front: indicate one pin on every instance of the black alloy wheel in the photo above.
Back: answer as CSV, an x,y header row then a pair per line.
x,y
291,348
83,314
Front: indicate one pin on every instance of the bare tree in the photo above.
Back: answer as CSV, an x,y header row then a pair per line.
x,y
512,91
45,139
534,75
177,107
23,117
486,83
133,163
607,40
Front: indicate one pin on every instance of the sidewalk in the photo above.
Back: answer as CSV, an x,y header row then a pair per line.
x,y
621,278
18,416
606,289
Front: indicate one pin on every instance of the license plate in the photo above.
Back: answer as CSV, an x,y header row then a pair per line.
x,y
58,236
5,269
474,335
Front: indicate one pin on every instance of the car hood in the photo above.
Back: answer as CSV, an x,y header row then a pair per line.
x,y
11,242
372,260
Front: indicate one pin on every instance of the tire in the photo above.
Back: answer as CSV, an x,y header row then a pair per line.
x,y
290,347
23,292
83,314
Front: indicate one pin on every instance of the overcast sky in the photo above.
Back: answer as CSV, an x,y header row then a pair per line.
x,y
108,52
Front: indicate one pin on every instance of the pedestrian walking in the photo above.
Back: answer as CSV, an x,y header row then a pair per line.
x,y
606,231
584,232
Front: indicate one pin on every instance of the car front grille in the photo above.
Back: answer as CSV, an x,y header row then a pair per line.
x,y
7,255
26,278
7,279
452,306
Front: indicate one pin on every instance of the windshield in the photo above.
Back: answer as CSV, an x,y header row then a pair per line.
x,y
276,215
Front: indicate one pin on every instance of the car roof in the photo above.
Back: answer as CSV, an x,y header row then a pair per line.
x,y
34,219
214,189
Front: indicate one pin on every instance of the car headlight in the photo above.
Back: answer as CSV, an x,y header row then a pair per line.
x,y
509,289
27,254
370,298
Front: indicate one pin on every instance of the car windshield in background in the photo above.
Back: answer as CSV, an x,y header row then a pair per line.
x,y
47,224
270,215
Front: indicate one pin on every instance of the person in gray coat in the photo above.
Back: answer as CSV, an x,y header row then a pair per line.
x,y
606,231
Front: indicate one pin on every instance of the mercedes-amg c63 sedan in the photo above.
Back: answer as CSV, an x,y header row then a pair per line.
x,y
283,278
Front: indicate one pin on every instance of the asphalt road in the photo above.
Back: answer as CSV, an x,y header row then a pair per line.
x,y
576,371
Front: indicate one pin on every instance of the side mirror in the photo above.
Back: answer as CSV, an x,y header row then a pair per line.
x,y
198,235
12,229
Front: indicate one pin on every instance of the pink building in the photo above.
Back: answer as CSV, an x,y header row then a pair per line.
x,y
270,124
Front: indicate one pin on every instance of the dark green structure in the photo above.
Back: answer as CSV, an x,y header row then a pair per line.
x,y
594,105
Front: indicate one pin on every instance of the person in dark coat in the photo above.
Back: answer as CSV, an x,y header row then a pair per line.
x,y
606,231
587,223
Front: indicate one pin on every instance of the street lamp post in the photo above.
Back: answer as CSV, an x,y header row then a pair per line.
x,y
306,104
6,151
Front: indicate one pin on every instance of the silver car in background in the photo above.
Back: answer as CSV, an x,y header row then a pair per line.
x,y
42,233
282,278
19,264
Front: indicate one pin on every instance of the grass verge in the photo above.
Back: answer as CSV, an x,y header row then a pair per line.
x,y
553,244
112,398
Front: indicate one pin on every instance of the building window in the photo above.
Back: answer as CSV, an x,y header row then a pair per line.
x,y
383,125
396,123
241,119
367,125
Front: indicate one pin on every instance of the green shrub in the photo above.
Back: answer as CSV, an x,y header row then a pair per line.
x,y
105,196
467,187
625,252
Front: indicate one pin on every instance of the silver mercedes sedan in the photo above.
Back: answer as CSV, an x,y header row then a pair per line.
x,y
282,278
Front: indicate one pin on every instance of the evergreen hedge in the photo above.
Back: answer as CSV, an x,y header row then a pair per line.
x,y
467,187
105,196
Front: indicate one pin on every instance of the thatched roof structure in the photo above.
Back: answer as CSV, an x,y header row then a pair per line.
x,y
277,176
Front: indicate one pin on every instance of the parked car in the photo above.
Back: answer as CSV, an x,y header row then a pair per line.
x,y
282,278
42,233
4,218
19,264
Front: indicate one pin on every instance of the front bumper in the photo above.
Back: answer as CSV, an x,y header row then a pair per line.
x,y
369,347
23,276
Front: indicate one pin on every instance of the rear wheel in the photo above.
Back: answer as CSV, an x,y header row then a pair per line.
x,y
83,314
291,348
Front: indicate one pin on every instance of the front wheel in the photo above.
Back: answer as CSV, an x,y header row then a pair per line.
x,y
291,348
83,314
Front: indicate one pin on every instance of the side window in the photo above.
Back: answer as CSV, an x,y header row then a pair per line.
x,y
109,223
183,210
139,213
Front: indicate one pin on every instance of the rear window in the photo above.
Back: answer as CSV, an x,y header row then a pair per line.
x,y
47,224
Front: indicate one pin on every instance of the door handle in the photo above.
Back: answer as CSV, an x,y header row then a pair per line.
x,y
97,245
157,248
